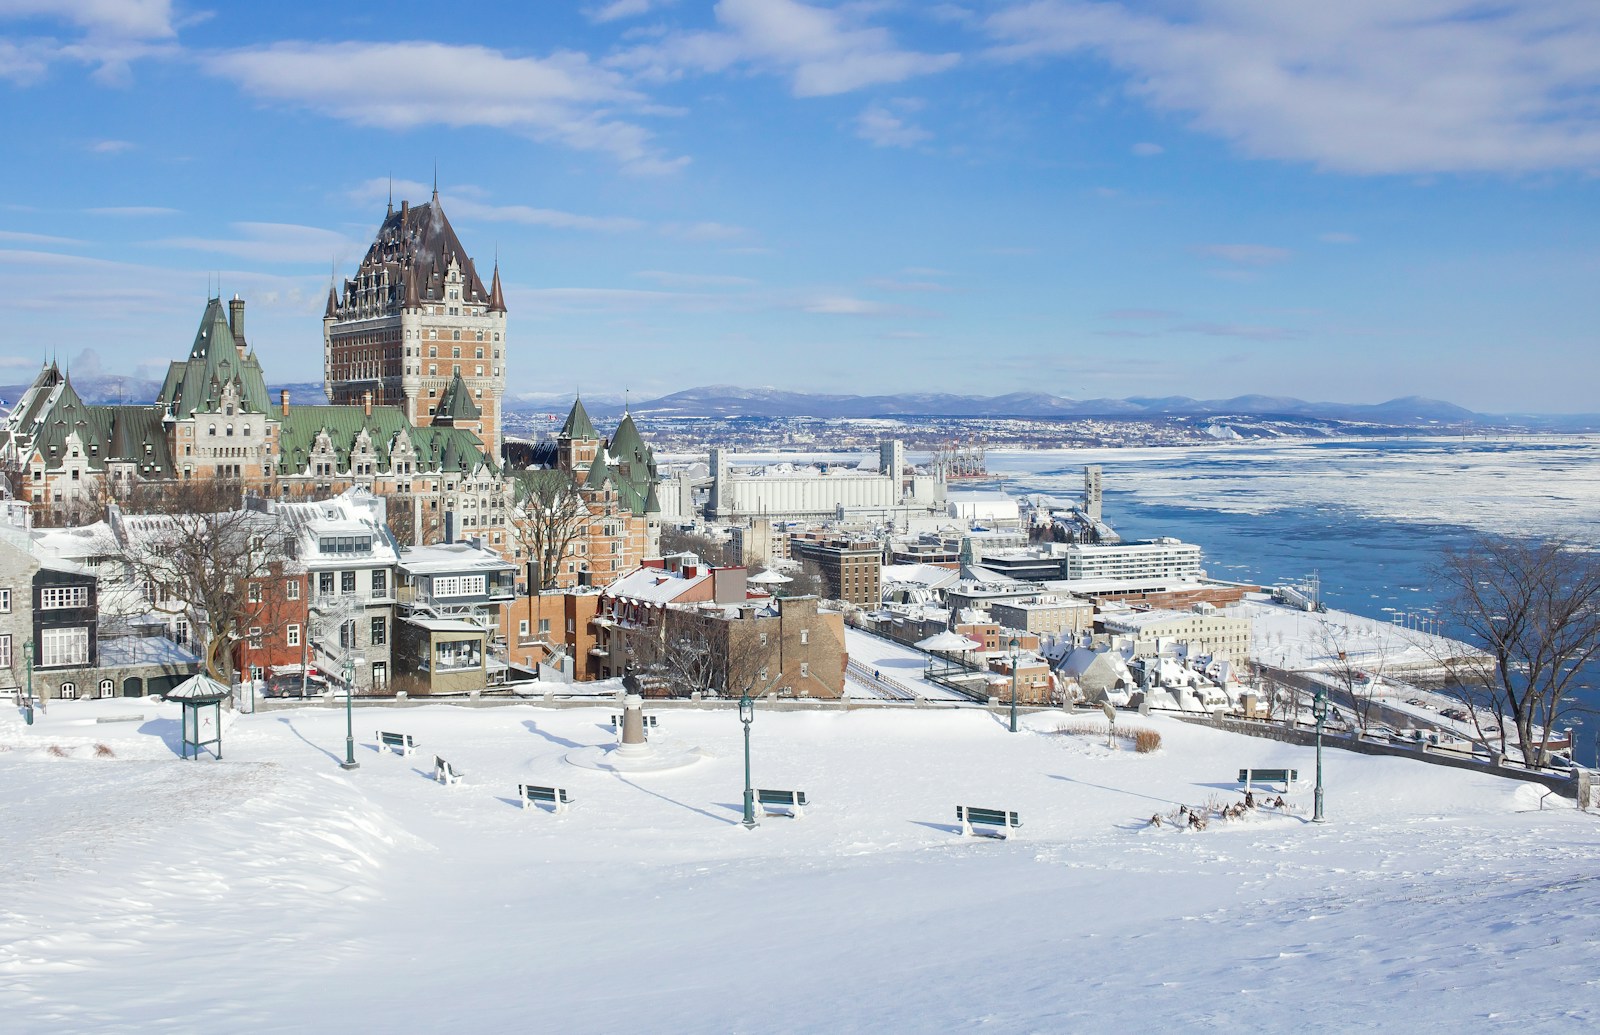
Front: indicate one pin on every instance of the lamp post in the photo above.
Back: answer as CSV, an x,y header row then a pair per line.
x,y
747,713
27,696
1319,711
349,715
1015,645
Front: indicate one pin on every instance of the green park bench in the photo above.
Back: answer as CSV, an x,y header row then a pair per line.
x,y
1283,776
532,794
444,772
794,801
1000,819
399,743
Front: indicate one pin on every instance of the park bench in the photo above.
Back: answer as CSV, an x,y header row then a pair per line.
x,y
1000,819
794,801
444,772
531,794
1283,776
399,743
649,721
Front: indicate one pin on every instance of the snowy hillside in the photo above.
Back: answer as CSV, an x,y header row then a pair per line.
x,y
273,892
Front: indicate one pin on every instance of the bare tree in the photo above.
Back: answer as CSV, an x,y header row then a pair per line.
x,y
1534,609
549,516
678,540
1357,671
199,564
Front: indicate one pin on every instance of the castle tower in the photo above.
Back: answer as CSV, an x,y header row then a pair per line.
x,y
415,317
578,443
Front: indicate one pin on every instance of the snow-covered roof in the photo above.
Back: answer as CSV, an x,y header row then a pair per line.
x,y
129,651
654,585
448,558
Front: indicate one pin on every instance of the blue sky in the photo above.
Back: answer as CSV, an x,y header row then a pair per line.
x,y
1391,197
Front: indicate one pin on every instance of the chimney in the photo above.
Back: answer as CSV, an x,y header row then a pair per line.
x,y
405,212
236,322
366,403
283,398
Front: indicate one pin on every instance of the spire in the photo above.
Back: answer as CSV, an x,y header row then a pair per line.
x,y
497,299
436,181
391,195
578,426
333,302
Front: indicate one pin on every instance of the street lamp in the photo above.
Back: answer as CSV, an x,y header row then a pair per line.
x,y
27,699
747,713
349,715
1319,711
1015,645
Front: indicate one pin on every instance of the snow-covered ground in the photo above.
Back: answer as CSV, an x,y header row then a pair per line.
x,y
1285,637
272,891
905,665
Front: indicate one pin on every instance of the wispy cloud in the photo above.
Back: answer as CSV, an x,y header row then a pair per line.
x,y
883,128
704,231
132,211
618,9
1337,237
563,98
1245,254
26,238
695,280
1251,332
823,51
275,242
111,147
1146,149
1359,86
1139,314
909,286
111,35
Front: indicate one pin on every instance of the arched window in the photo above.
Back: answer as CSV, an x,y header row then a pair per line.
x,y
211,429
69,691
107,687
230,431
455,335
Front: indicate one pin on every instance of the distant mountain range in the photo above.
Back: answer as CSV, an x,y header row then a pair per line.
x,y
727,400
733,401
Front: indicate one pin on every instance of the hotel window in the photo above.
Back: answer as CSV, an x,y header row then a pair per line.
x,y
64,647
54,598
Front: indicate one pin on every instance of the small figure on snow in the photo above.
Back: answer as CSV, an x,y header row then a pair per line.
x,y
1249,799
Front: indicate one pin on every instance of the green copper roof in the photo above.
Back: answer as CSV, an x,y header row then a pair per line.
x,y
456,403
437,449
578,426
196,385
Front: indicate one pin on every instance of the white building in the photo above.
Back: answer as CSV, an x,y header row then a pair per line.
x,y
1216,635
1166,558
802,491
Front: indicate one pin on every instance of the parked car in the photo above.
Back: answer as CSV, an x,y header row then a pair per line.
x,y
292,686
